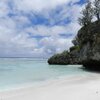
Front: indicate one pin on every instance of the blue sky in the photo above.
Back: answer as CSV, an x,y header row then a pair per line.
x,y
37,28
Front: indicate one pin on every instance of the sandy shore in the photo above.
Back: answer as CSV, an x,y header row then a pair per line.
x,y
69,88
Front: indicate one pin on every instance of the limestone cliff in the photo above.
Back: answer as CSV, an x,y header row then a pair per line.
x,y
89,42
86,49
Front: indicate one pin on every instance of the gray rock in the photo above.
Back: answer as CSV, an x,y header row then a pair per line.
x,y
86,49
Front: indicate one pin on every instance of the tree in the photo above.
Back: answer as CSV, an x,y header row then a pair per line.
x,y
97,9
87,14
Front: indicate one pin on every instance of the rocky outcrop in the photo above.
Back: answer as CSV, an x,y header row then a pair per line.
x,y
64,58
89,42
86,49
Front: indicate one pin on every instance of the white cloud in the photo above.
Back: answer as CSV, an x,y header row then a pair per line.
x,y
38,5
4,9
43,30
55,44
14,37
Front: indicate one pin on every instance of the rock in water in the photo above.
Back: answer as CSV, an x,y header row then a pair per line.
x,y
86,49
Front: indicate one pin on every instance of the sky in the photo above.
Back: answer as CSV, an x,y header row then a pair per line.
x,y
37,28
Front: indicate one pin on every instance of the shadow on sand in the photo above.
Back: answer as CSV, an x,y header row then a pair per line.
x,y
95,69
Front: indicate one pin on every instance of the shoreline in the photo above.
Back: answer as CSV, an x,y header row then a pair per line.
x,y
59,89
44,81
40,83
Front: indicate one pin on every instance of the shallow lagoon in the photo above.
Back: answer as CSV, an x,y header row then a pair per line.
x,y
17,71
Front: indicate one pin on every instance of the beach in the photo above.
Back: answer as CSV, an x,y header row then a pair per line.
x,y
79,87
49,49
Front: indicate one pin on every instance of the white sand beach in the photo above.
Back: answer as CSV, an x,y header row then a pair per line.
x,y
70,88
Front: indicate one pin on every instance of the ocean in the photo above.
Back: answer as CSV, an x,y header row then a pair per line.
x,y
16,72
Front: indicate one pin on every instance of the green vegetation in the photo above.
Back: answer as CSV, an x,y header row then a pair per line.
x,y
89,12
59,58
97,9
75,48
86,49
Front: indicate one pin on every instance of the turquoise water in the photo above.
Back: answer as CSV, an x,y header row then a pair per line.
x,y
16,71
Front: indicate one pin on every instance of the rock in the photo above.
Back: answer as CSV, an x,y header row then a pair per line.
x,y
89,41
65,58
86,49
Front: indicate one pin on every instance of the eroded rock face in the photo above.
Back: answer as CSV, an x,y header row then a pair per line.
x,y
65,58
87,49
89,41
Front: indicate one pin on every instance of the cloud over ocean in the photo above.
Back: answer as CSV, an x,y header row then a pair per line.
x,y
37,28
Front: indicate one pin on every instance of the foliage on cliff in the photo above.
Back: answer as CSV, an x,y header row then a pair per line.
x,y
59,58
86,49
